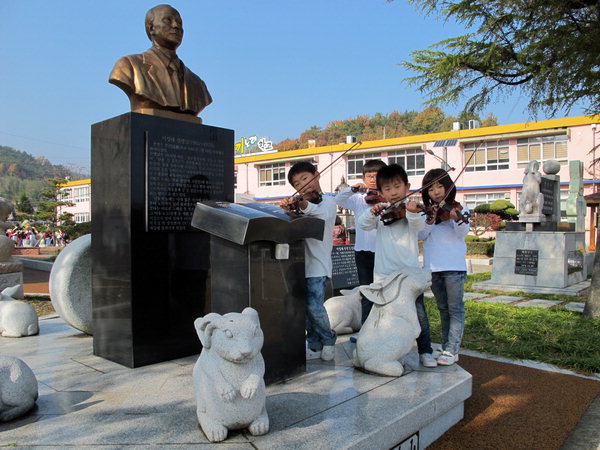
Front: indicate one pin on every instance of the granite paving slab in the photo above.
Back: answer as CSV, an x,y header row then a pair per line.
x,y
474,295
539,303
506,299
574,306
86,401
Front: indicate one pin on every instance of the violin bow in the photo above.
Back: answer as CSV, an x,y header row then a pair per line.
x,y
352,147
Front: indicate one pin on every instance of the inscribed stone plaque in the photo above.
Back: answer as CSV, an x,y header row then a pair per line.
x,y
547,188
526,262
182,170
344,267
574,261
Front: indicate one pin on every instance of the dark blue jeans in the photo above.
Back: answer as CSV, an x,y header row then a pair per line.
x,y
318,329
365,262
424,339
448,288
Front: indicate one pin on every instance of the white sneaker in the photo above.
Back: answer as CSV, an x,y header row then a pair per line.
x,y
311,354
428,360
447,359
328,352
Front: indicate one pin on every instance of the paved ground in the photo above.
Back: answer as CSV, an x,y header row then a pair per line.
x,y
581,427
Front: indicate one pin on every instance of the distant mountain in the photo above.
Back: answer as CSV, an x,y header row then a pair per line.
x,y
22,173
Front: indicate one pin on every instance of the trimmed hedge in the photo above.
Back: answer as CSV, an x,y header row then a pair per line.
x,y
481,248
474,247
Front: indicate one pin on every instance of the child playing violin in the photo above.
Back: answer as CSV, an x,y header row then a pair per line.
x,y
397,244
358,198
304,178
444,251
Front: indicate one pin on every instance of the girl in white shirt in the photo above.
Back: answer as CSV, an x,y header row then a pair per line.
x,y
444,250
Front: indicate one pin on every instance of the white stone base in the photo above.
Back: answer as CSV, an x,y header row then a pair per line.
x,y
553,249
10,279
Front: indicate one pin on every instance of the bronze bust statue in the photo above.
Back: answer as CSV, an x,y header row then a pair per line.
x,y
156,81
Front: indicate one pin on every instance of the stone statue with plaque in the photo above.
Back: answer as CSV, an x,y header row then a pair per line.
x,y
150,166
539,253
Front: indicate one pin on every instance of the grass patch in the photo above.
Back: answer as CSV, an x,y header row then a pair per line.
x,y
484,276
555,336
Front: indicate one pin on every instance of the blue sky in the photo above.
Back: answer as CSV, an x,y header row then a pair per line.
x,y
273,67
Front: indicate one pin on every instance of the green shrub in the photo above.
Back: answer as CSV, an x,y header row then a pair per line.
x,y
512,212
501,205
483,209
471,238
481,248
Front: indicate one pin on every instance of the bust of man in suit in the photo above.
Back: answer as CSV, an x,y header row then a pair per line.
x,y
156,81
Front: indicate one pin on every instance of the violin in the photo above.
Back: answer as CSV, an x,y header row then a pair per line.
x,y
293,205
373,197
397,211
443,210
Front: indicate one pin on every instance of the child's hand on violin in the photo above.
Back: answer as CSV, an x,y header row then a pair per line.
x,y
454,214
412,207
360,187
287,203
375,210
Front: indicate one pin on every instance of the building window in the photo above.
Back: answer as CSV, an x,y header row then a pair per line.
x,y
81,194
271,174
413,160
356,163
66,195
474,200
542,149
491,155
81,217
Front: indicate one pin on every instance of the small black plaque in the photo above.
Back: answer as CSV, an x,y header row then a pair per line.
x,y
344,267
526,262
547,188
574,261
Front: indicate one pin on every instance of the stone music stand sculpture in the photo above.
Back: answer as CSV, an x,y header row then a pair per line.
x,y
156,81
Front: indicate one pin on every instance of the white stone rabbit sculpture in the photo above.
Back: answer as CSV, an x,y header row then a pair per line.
x,y
345,311
228,376
17,318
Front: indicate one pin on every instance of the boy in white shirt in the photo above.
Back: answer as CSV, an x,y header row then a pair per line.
x,y
355,199
397,243
304,178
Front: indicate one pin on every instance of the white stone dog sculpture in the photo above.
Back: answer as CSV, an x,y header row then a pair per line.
x,y
345,311
17,318
18,388
389,332
228,376
531,199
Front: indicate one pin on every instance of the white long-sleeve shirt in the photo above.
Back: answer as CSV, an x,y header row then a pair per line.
x,y
397,243
355,201
444,246
317,254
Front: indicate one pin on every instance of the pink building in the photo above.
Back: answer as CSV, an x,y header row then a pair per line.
x,y
495,171
79,193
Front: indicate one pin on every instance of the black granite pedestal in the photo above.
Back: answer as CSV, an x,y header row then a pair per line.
x,y
150,269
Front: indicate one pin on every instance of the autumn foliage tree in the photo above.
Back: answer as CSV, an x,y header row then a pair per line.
x,y
481,223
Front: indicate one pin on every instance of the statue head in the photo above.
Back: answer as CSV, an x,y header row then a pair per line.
x,y
164,26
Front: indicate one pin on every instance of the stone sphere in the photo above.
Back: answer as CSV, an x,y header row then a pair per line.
x,y
71,284
18,388
551,167
7,247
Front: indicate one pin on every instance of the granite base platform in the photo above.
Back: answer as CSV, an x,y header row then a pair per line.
x,y
87,401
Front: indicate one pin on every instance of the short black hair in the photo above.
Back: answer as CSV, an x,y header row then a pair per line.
x,y
373,165
299,167
444,180
389,173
